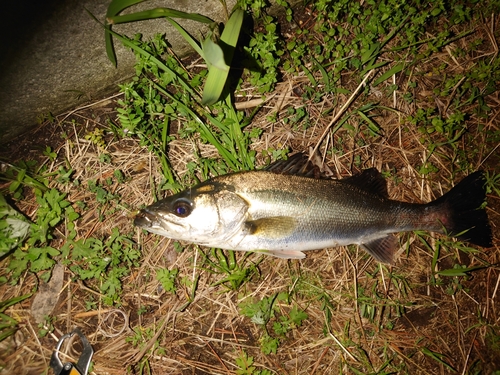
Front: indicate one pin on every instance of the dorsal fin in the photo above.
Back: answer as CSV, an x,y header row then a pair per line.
x,y
297,165
369,180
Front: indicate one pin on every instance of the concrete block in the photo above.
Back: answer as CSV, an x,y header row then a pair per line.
x,y
54,56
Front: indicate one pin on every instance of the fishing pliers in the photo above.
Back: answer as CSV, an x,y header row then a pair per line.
x,y
69,368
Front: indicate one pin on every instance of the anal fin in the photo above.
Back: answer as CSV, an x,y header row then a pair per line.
x,y
382,249
283,254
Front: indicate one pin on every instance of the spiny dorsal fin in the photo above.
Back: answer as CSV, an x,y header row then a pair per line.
x,y
300,165
369,180
297,165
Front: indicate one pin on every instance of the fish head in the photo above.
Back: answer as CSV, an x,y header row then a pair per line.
x,y
205,214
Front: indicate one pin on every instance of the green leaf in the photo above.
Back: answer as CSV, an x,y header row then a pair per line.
x,y
394,70
158,13
371,53
118,6
41,258
115,7
214,55
14,227
219,69
86,248
269,344
458,271
5,304
205,130
194,45
167,279
297,316
159,63
437,357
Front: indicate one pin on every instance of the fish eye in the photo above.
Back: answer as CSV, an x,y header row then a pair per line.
x,y
182,208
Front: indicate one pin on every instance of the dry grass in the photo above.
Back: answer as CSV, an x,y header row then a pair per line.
x,y
457,317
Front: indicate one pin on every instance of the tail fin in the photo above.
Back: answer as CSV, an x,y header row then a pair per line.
x,y
466,219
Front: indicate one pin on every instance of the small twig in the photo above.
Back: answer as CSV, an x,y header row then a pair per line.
x,y
216,354
464,370
319,360
341,111
90,105
341,346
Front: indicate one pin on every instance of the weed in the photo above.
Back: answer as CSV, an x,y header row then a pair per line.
x,y
265,49
97,138
20,175
14,227
167,278
265,311
224,262
105,262
9,325
492,182
36,255
438,357
46,327
140,336
49,153
246,367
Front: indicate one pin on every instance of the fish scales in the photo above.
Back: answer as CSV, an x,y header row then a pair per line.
x,y
325,210
283,214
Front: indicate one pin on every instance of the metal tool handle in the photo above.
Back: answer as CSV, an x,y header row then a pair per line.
x,y
68,368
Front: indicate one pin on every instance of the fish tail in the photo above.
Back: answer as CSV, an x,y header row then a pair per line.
x,y
464,216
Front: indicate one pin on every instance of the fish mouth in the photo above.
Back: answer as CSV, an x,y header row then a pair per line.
x,y
146,219
156,223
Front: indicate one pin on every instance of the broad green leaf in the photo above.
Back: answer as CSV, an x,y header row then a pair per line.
x,y
157,13
116,6
214,55
217,76
14,228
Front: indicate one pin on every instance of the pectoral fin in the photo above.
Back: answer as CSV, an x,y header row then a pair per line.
x,y
382,249
272,227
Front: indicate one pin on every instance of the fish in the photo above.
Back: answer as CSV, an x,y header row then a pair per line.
x,y
288,208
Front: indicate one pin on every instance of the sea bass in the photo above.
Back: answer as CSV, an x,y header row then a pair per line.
x,y
282,212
